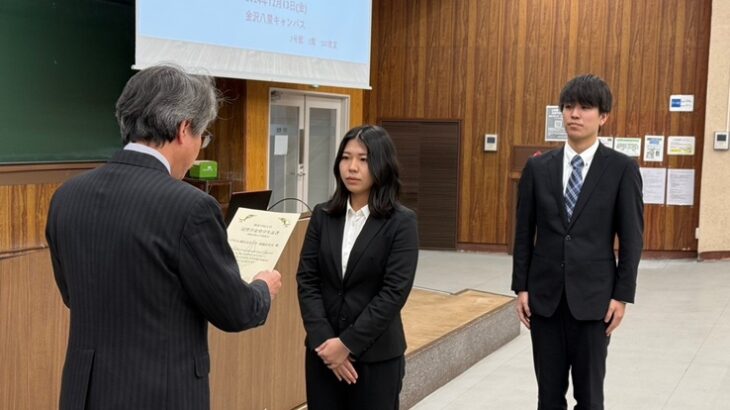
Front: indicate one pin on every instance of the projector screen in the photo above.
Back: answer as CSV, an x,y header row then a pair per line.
x,y
319,42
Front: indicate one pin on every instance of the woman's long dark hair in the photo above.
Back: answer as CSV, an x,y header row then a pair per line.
x,y
383,166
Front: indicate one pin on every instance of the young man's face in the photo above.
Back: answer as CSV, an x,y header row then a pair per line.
x,y
581,122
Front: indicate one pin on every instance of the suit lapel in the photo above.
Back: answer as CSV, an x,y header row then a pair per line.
x,y
555,172
591,181
369,231
336,230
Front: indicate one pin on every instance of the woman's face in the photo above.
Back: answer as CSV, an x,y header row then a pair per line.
x,y
354,169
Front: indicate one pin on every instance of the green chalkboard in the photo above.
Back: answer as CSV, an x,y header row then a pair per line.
x,y
63,64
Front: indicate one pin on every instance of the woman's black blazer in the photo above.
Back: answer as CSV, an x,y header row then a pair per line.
x,y
363,307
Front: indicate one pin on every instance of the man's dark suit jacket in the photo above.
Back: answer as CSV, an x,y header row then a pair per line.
x,y
142,261
363,308
552,255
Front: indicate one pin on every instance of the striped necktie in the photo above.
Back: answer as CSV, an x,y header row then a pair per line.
x,y
572,191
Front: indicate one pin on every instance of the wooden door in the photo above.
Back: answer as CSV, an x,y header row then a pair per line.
x,y
428,152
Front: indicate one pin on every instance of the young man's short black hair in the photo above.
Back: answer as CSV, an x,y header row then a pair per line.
x,y
587,90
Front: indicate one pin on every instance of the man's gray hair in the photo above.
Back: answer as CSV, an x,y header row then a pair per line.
x,y
157,99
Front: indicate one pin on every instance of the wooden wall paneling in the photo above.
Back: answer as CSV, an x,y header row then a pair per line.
x,y
23,216
472,108
414,53
6,218
512,59
474,75
619,40
25,194
257,140
33,333
668,124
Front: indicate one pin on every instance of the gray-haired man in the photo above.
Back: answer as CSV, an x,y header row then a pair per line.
x,y
142,259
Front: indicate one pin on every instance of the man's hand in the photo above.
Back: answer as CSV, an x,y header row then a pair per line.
x,y
615,314
333,352
272,279
346,372
523,308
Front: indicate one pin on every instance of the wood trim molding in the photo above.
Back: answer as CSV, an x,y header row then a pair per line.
x,y
381,120
43,173
21,252
668,254
480,247
713,255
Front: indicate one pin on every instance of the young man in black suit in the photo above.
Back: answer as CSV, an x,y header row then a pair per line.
x,y
572,204
142,259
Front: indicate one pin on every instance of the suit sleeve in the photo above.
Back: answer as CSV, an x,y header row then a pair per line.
x,y
400,271
524,229
210,276
630,231
309,287
58,273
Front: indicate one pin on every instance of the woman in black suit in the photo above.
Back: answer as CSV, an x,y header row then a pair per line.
x,y
356,270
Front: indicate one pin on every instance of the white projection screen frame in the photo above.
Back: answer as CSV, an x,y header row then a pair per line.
x,y
318,42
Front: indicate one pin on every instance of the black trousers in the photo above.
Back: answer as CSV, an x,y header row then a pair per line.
x,y
562,345
378,385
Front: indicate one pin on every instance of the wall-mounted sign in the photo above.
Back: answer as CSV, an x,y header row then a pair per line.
x,y
628,146
681,145
654,148
554,127
682,103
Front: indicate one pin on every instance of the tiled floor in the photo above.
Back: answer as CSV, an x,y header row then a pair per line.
x,y
671,352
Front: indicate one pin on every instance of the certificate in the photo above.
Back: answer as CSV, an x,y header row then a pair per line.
x,y
258,238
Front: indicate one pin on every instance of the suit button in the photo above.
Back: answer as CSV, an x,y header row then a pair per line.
x,y
562,264
339,293
567,237
343,318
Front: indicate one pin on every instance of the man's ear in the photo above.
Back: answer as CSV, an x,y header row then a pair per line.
x,y
182,128
603,117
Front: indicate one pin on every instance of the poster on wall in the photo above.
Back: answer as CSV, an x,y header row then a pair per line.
x,y
554,127
654,184
680,187
681,145
628,146
654,148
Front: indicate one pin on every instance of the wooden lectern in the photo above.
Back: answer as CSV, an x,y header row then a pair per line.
x,y
262,368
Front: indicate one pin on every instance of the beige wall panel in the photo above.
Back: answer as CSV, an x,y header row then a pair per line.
x,y
714,209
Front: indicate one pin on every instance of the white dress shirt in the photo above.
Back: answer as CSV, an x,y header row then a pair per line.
x,y
133,146
586,156
354,221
